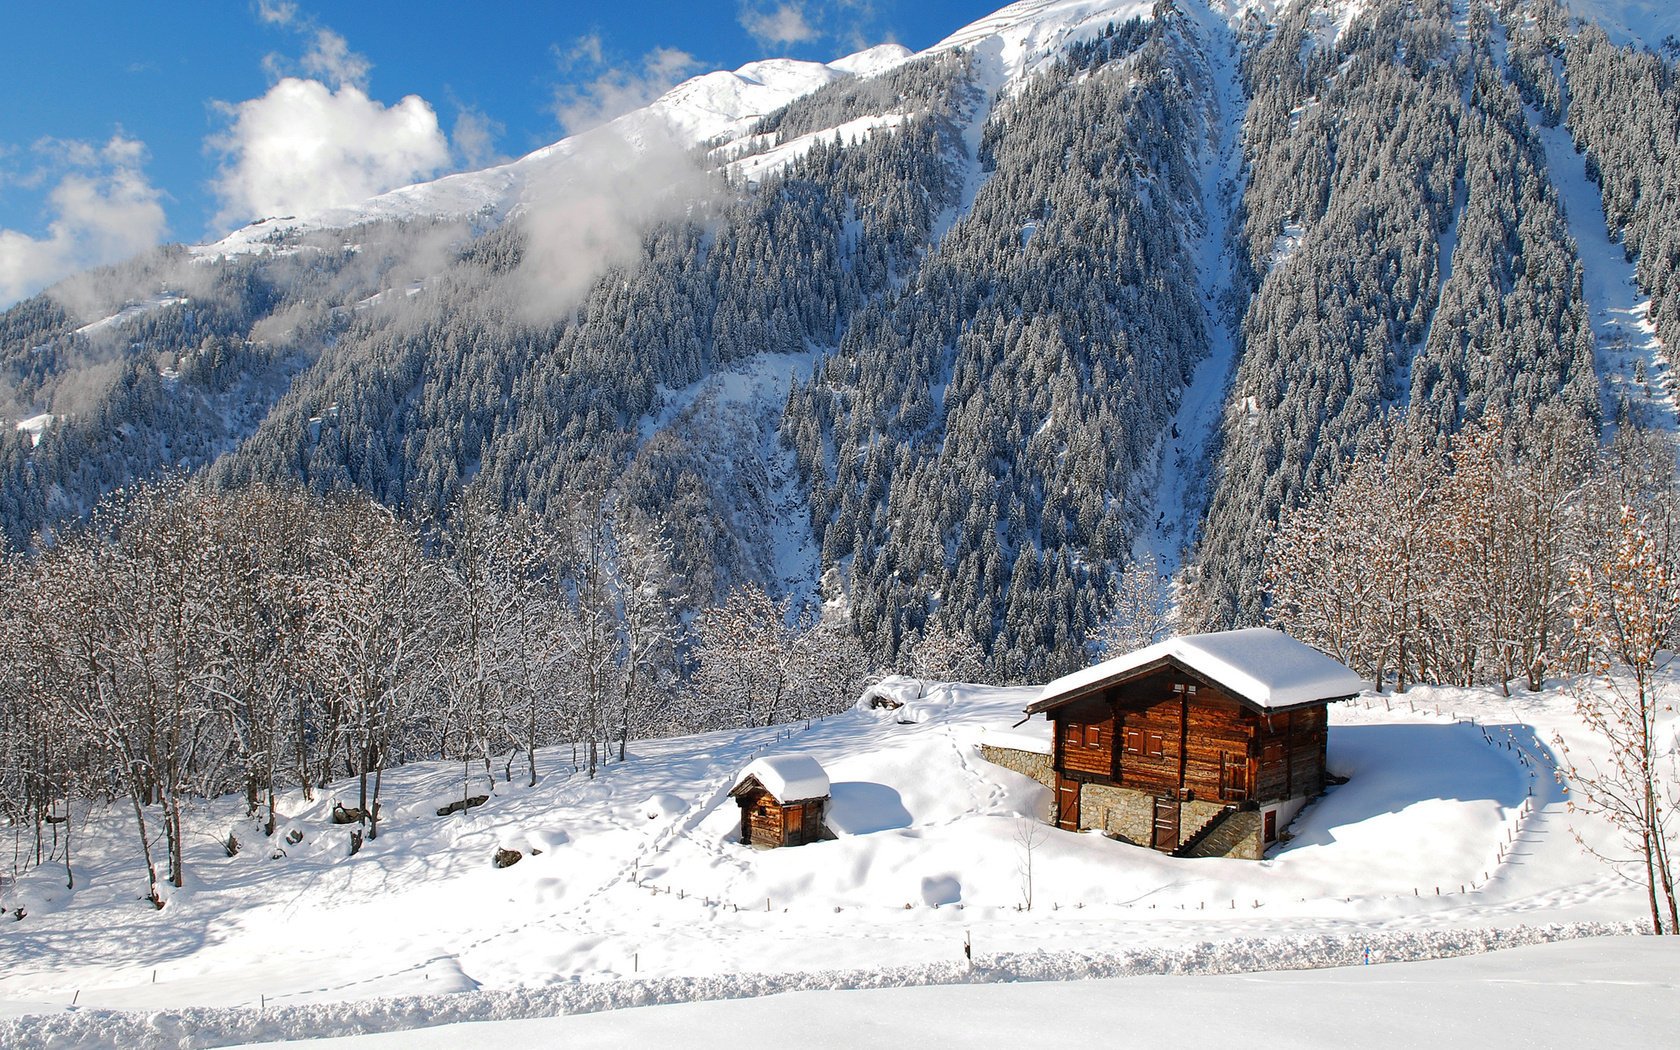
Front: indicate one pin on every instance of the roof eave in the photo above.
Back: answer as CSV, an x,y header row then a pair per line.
x,y
1143,670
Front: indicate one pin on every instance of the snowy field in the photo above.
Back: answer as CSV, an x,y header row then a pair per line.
x,y
1451,836
1620,992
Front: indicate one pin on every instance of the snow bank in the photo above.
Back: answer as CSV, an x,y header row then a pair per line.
x,y
892,691
1032,736
791,778
1265,666
204,1027
663,804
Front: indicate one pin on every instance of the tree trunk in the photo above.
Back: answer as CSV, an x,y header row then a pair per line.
x,y
152,893
373,812
1651,883
172,833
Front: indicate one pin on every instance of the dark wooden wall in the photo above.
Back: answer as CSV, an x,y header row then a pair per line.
x,y
761,818
766,822
1292,753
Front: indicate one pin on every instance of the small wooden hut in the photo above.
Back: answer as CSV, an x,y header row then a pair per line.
x,y
1202,745
783,800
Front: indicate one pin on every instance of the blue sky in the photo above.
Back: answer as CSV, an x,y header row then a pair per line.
x,y
125,123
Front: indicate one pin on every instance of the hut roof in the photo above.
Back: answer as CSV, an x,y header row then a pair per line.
x,y
791,778
1266,668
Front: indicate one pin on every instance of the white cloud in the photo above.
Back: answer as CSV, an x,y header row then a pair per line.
x,y
474,137
103,210
592,216
330,57
597,94
277,12
302,148
781,24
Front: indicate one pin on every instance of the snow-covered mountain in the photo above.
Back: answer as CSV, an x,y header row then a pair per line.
x,y
954,336
719,105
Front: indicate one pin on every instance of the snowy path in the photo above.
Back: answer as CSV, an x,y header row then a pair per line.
x,y
1603,992
1387,991
1178,496
1619,308
1633,364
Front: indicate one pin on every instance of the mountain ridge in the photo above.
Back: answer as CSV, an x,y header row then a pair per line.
x,y
997,357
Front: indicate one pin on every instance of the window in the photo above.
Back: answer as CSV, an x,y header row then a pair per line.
x,y
1139,742
1093,736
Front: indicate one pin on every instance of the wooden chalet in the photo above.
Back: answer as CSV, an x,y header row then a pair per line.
x,y
783,800
1202,745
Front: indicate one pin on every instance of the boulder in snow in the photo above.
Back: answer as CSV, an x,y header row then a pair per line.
x,y
462,804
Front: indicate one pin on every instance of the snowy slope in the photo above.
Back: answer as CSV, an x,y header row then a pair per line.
x,y
1646,22
1445,825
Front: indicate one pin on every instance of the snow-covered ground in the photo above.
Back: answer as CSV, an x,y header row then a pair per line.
x,y
130,312
35,426
1450,836
757,168
1640,22
1620,992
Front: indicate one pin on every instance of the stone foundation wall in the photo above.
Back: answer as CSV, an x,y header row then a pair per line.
x,y
1249,846
1238,837
1027,763
1119,811
1129,815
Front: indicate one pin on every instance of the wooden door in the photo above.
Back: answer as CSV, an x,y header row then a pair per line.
x,y
1233,776
1271,825
1166,824
793,825
1067,804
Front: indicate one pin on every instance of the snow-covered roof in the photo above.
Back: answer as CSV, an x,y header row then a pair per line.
x,y
791,778
1033,737
1265,667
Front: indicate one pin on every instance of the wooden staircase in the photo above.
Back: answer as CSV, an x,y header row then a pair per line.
x,y
1223,832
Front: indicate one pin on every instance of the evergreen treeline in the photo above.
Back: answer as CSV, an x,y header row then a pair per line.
x,y
199,354
973,446
1410,256
458,383
999,296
